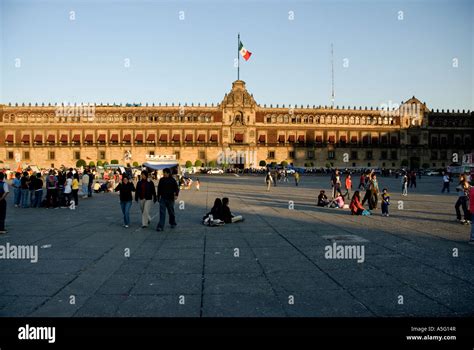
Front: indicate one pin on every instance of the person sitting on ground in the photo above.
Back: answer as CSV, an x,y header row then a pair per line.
x,y
338,201
214,217
97,187
356,206
323,200
226,213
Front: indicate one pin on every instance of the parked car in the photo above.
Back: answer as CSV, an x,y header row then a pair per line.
x,y
432,172
215,171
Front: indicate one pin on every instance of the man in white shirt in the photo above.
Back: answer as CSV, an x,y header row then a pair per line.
x,y
446,181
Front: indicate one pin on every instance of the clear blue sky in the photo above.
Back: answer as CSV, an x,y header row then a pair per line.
x,y
192,60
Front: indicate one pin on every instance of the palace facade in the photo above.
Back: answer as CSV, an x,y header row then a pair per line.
x,y
409,135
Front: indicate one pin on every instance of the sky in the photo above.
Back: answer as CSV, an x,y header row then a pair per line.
x,y
135,51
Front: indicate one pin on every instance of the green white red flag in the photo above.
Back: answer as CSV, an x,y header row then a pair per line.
x,y
244,52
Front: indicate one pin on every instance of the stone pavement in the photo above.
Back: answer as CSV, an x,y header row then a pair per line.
x,y
417,261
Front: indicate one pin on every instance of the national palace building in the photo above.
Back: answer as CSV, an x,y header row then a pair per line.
x,y
411,134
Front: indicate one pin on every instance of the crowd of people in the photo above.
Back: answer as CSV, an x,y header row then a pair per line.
x,y
61,188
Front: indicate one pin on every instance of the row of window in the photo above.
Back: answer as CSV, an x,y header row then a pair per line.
x,y
340,120
354,155
114,139
331,139
88,116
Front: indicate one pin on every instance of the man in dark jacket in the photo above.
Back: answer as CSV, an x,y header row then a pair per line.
x,y
146,193
168,192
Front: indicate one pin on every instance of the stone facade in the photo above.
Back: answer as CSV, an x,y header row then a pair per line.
x,y
344,137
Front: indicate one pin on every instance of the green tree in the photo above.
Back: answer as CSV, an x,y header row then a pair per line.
x,y
328,165
284,163
262,163
273,164
81,162
404,162
100,163
91,163
198,163
189,164
114,161
212,163
135,164
105,163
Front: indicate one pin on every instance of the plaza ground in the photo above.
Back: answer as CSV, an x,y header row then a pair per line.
x,y
417,261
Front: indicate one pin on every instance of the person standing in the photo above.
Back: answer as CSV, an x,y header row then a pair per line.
x,y
85,184
125,188
25,181
413,180
348,184
31,189
463,190
405,185
68,189
374,189
385,202
75,188
16,183
168,192
361,181
91,182
3,203
297,178
446,182
471,208
146,193
268,180
51,190
38,186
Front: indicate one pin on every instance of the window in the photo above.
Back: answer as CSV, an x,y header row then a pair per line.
x,y
310,155
177,155
10,155
354,155
369,155
291,154
383,155
202,155
101,154
393,155
443,155
151,153
26,155
77,155
51,155
271,155
331,155
434,155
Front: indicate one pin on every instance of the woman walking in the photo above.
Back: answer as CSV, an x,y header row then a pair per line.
x,y
75,188
125,188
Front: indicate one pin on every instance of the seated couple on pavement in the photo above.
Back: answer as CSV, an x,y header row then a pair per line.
x,y
220,214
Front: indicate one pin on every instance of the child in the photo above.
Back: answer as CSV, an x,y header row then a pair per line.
x,y
198,184
348,186
385,202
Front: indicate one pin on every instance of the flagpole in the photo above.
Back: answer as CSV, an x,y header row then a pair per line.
x,y
238,56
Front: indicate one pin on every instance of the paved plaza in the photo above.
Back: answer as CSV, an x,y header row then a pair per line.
x,y
417,261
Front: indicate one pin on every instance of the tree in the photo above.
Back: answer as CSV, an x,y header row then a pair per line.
x,y
328,165
91,163
425,166
404,162
135,164
198,163
212,163
189,164
284,163
262,163
105,163
114,161
99,163
81,162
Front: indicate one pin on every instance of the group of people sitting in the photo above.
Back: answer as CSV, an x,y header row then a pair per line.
x,y
220,214
356,206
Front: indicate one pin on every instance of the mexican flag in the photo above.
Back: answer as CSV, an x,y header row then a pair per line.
x,y
243,51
